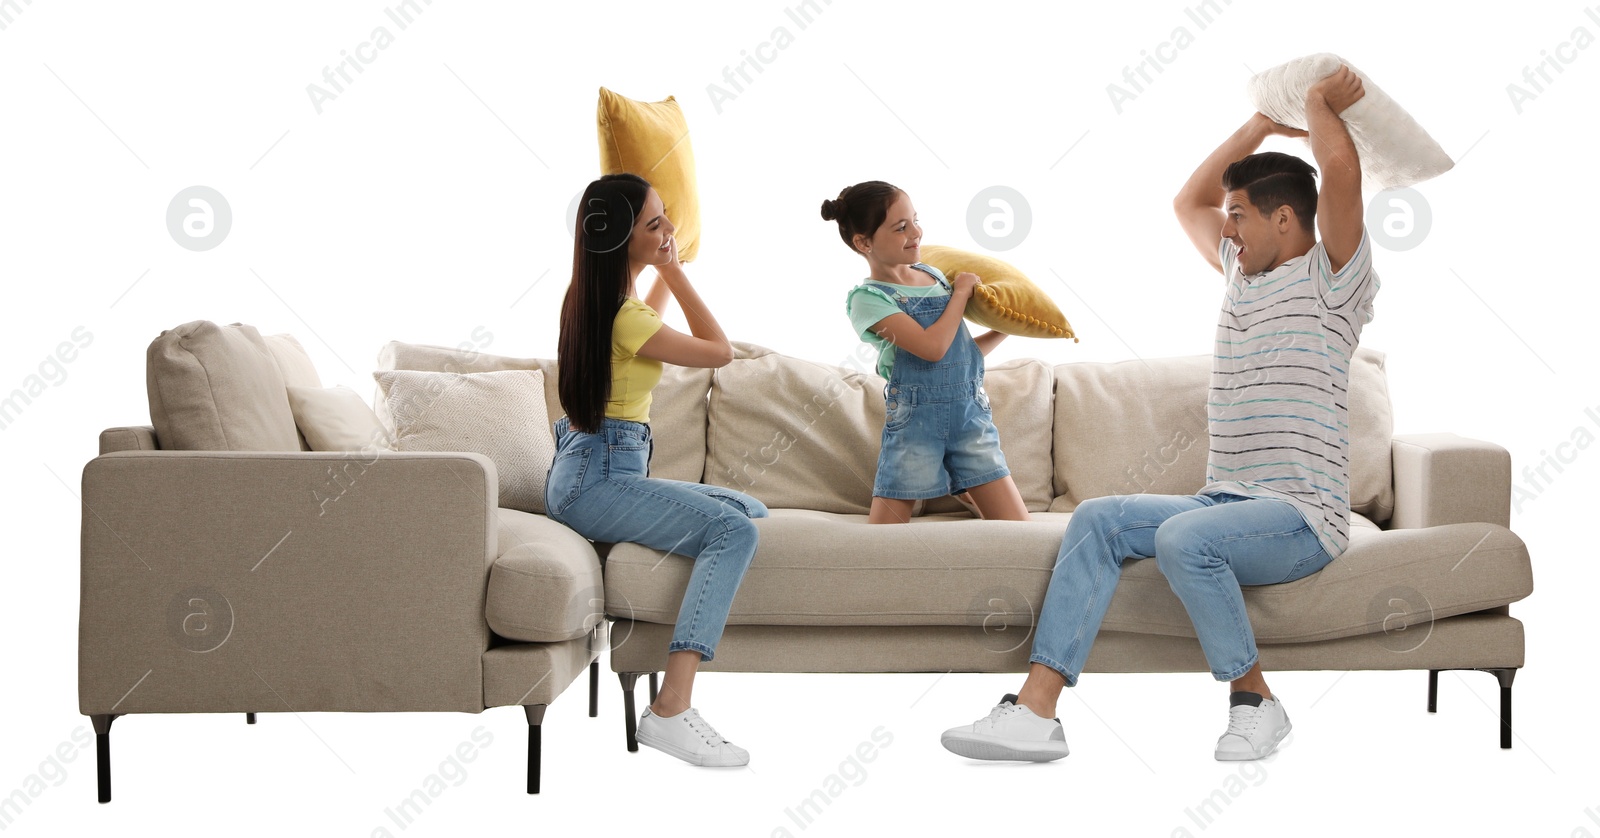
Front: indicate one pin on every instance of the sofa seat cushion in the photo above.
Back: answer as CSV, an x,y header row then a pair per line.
x,y
545,585
824,569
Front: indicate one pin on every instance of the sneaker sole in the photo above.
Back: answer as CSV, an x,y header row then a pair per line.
x,y
991,748
1263,751
702,760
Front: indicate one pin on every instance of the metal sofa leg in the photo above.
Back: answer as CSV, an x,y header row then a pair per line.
x,y
249,718
594,688
655,686
631,724
102,752
535,714
1504,676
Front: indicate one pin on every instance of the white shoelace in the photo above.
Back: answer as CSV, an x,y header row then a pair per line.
x,y
703,728
1242,719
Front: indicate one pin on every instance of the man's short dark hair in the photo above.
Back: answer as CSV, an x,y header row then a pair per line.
x,y
1272,179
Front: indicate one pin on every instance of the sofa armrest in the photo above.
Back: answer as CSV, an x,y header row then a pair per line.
x,y
129,438
1448,479
218,581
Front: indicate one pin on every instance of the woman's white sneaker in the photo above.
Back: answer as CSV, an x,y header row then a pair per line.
x,y
1010,731
689,738
1255,727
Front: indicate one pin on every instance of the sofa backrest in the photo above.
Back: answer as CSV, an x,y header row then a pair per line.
x,y
677,410
805,435
223,388
1140,426
800,434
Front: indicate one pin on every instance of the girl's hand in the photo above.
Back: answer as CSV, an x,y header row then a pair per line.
x,y
964,283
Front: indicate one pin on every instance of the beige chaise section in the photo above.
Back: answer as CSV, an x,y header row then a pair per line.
x,y
246,575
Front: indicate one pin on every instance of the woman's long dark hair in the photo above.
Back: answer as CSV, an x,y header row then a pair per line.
x,y
599,282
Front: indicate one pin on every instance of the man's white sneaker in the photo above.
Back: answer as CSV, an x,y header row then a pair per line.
x,y
1255,727
689,738
1010,731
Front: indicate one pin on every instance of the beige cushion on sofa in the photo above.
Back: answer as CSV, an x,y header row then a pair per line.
x,y
545,586
217,388
336,419
497,414
795,434
677,411
1130,427
1140,426
820,569
1021,396
295,367
293,362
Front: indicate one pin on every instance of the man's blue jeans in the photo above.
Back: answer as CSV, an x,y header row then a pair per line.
x,y
599,487
1206,546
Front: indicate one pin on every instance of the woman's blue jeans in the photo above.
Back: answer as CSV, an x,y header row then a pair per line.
x,y
598,486
1206,546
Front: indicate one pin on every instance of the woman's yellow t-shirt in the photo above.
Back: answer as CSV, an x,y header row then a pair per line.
x,y
632,377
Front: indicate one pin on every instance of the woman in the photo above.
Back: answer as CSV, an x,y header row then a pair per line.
x,y
609,357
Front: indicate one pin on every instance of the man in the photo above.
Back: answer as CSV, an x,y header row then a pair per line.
x,y
1275,506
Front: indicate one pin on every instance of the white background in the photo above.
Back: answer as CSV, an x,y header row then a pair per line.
x,y
429,196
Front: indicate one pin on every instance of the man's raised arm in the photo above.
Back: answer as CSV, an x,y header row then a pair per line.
x,y
1199,203
1339,210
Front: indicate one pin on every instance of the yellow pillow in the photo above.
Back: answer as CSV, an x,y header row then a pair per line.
x,y
1006,301
651,140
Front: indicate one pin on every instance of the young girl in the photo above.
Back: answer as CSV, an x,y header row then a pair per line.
x,y
939,436
609,358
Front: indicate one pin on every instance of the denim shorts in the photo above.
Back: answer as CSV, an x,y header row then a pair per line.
x,y
937,440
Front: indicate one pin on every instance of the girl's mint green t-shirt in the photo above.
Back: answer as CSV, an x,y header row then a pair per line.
x,y
869,303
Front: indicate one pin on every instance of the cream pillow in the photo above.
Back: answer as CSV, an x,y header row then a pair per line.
x,y
1395,151
500,415
337,419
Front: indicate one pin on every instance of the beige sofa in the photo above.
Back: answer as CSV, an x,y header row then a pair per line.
x,y
225,569
1425,585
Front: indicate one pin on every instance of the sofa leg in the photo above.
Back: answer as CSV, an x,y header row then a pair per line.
x,y
655,686
630,724
102,752
1504,676
1433,691
535,714
594,688
249,718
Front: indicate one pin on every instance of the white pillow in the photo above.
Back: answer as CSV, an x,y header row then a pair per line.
x,y
1395,151
500,415
336,419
